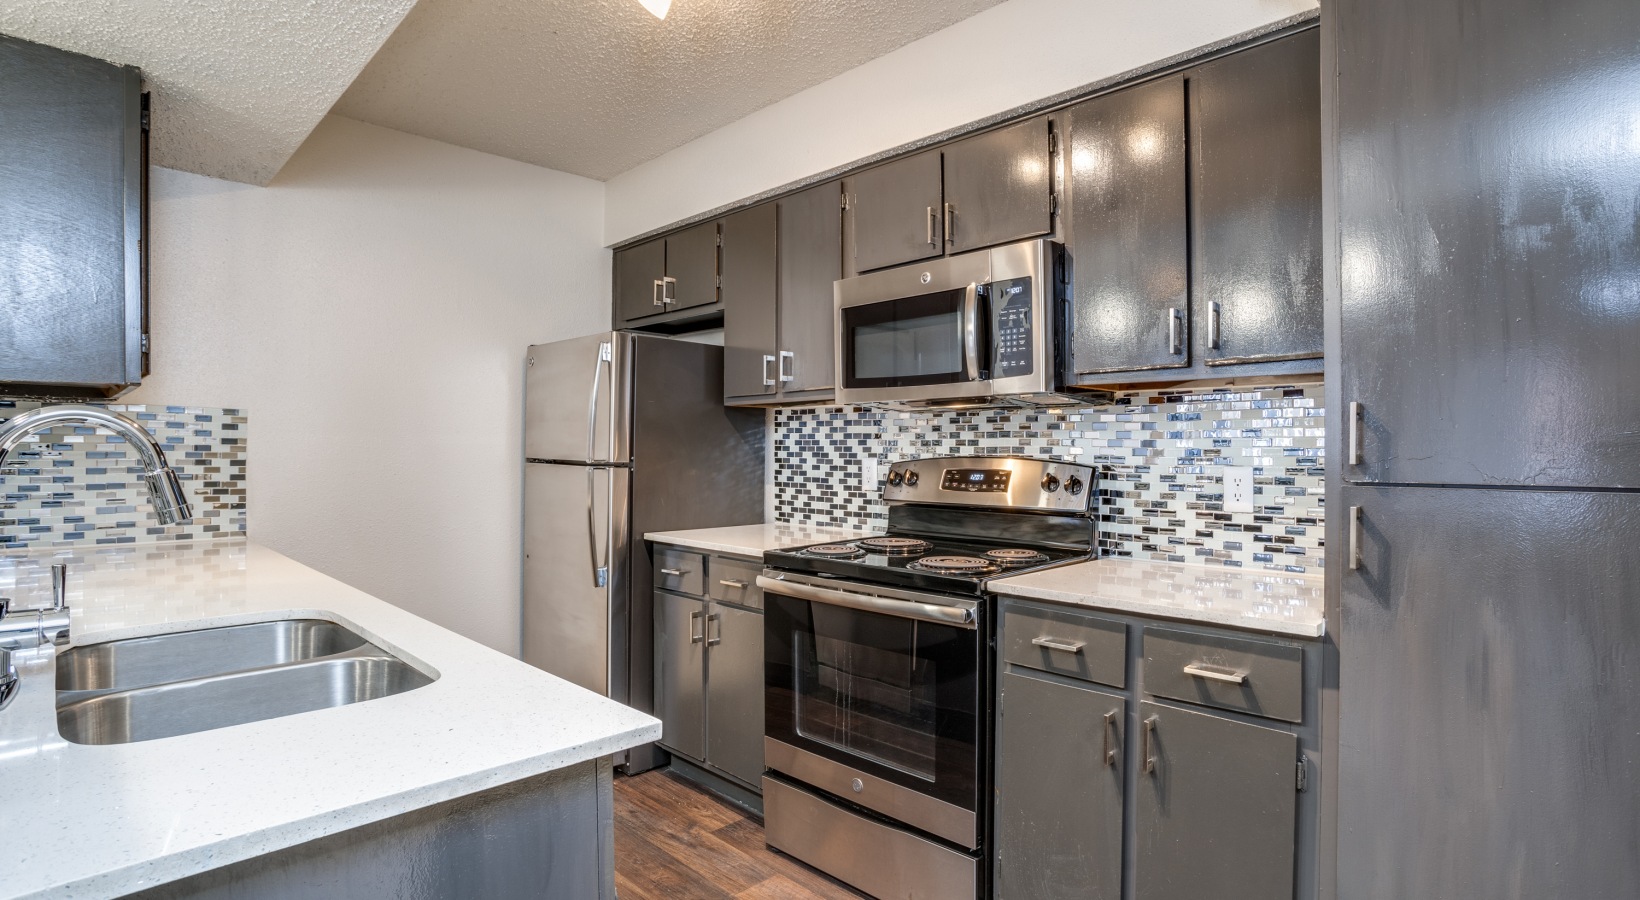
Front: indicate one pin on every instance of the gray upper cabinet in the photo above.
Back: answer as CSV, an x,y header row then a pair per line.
x,y
1488,243
999,186
1216,808
638,273
1059,791
734,691
1255,177
898,212
1129,250
750,301
811,259
1487,681
72,142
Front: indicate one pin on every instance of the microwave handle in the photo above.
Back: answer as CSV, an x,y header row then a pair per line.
x,y
970,332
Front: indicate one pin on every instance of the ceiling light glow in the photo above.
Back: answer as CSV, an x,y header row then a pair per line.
x,y
658,7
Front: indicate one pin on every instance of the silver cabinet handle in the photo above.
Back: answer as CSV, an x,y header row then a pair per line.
x,y
713,641
1064,646
970,332
960,616
929,222
669,290
950,223
735,583
696,637
1146,739
655,293
788,374
1110,746
768,376
675,573
1214,311
1175,331
1211,674
1354,439
1355,538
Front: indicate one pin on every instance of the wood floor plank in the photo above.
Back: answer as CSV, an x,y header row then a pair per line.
x,y
778,887
656,873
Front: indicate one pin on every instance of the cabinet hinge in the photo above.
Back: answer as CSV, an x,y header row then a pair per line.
x,y
1303,775
1053,205
843,199
145,343
720,239
1053,143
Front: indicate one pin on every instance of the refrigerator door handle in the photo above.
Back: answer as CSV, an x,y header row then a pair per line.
x,y
605,353
600,567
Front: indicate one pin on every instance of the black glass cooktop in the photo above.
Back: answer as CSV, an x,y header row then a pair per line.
x,y
918,561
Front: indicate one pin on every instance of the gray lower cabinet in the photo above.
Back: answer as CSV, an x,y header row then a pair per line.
x,y
1059,788
680,672
709,666
72,169
1216,810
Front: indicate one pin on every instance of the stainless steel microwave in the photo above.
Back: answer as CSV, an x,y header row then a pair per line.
x,y
977,329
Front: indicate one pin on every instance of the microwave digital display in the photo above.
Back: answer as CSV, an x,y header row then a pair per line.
x,y
986,481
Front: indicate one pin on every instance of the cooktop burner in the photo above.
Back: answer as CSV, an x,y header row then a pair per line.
x,y
954,565
896,546
1016,556
835,551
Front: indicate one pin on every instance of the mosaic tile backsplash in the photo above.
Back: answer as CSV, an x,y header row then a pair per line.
x,y
1159,455
82,486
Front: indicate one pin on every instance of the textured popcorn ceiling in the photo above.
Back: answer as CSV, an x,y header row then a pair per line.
x,y
595,87
237,84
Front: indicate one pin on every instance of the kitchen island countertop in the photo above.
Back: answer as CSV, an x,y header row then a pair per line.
x,y
109,820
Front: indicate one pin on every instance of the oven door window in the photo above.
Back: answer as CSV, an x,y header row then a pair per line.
x,y
894,697
906,342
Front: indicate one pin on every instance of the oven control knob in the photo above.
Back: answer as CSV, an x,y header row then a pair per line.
x,y
858,785
1050,483
1074,485
911,478
895,478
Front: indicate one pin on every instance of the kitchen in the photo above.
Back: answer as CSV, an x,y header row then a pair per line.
x,y
834,468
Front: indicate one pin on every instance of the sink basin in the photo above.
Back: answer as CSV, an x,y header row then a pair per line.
x,y
195,654
146,688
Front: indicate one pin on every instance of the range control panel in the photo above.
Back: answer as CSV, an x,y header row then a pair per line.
x,y
991,481
1010,303
1011,482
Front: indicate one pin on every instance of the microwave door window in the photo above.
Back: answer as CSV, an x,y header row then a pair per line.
x,y
899,343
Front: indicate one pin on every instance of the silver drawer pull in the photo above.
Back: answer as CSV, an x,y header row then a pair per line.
x,y
735,583
675,573
1052,644
1201,671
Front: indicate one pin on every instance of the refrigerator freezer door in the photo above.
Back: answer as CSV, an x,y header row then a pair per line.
x,y
575,576
577,400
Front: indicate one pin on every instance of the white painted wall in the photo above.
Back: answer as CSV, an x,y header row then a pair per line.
x,y
370,310
1009,55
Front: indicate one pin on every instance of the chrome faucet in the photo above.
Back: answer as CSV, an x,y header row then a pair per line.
x,y
25,629
164,490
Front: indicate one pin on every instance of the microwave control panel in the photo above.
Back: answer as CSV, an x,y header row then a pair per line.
x,y
1011,324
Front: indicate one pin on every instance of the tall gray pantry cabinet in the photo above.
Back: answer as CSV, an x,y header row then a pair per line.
x,y
1483,459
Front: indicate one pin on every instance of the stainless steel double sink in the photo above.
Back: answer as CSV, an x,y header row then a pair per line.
x,y
145,688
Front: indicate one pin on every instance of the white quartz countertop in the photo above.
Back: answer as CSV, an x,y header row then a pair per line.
x,y
752,540
1275,602
86,821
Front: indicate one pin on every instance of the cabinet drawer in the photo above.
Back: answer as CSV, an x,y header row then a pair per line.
x,y
680,571
1066,643
1250,675
735,581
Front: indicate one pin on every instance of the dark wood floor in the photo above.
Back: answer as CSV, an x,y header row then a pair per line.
x,y
674,841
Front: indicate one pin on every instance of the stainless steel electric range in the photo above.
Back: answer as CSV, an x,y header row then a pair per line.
x,y
878,667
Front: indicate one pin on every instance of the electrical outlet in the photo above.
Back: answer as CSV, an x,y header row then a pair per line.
x,y
1238,489
868,472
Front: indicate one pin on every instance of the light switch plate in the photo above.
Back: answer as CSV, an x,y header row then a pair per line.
x,y
1238,489
868,472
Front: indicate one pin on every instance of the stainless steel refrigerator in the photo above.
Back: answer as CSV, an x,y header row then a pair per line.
x,y
624,434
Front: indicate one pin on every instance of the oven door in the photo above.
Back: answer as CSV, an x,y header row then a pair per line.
x,y
877,697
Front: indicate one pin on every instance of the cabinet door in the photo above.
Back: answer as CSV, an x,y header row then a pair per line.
x,y
1489,251
1216,808
999,186
680,672
1129,254
750,298
1487,684
1059,791
1255,178
692,264
811,259
897,212
734,704
637,269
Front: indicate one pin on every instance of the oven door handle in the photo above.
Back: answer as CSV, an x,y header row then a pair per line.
x,y
960,616
970,332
